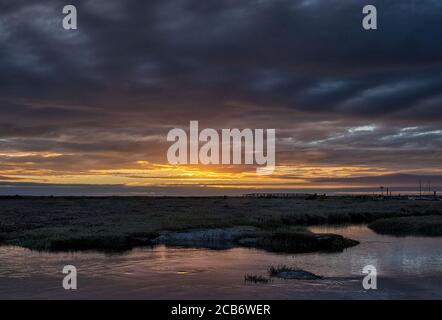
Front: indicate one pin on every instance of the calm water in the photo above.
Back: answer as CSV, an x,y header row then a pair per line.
x,y
409,267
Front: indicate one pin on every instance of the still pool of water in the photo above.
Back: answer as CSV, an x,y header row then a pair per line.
x,y
408,267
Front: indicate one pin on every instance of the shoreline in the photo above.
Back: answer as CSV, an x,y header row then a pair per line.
x,y
122,223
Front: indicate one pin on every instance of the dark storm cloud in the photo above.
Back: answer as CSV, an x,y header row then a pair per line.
x,y
311,55
109,91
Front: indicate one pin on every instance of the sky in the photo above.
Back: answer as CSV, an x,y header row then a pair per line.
x,y
87,111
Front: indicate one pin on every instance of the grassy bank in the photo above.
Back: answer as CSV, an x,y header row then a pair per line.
x,y
407,226
302,241
123,222
286,272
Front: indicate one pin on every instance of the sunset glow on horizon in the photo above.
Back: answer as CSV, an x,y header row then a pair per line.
x,y
93,106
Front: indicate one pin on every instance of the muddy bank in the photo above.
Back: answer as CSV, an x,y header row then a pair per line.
x,y
217,238
273,241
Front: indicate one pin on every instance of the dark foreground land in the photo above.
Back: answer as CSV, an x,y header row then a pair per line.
x,y
407,226
118,223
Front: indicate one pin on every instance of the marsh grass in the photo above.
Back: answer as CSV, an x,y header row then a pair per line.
x,y
408,226
285,272
77,223
256,279
303,241
273,271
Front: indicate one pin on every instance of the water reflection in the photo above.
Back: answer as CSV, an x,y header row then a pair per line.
x,y
392,256
410,268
